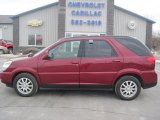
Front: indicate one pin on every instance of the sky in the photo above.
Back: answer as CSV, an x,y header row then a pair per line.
x,y
146,8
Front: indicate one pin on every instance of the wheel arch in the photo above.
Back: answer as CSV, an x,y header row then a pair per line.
x,y
129,74
36,77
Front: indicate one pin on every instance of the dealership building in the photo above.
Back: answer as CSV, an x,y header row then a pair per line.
x,y
6,27
71,18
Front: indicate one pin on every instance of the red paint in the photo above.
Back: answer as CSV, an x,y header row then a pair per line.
x,y
81,71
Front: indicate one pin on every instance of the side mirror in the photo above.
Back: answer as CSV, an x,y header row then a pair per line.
x,y
48,56
45,56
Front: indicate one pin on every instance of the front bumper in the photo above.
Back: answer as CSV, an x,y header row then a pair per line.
x,y
6,77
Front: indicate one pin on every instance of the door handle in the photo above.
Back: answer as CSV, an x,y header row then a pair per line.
x,y
74,62
116,61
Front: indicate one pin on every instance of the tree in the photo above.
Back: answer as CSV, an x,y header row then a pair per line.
x,y
156,42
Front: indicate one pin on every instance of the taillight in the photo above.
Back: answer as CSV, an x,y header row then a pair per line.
x,y
152,60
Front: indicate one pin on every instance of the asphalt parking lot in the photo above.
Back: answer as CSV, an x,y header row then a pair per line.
x,y
79,105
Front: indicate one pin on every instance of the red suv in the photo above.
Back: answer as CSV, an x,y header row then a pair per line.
x,y
122,64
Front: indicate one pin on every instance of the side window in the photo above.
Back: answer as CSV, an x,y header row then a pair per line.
x,y
98,48
134,45
65,50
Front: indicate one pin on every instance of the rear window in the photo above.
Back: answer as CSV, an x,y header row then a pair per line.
x,y
135,46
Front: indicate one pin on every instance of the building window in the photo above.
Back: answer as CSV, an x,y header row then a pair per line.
x,y
35,40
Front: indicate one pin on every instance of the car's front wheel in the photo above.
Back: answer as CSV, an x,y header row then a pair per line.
x,y
128,87
25,85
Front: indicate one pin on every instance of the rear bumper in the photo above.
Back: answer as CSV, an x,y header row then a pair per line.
x,y
149,85
149,78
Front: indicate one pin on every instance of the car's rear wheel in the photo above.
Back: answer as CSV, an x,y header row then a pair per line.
x,y
25,85
1,52
128,87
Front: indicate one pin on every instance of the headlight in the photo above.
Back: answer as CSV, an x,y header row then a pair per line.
x,y
6,65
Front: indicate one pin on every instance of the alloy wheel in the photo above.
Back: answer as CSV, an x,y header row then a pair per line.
x,y
24,86
128,89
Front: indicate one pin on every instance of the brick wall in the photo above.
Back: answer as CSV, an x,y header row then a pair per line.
x,y
61,18
149,35
16,34
110,17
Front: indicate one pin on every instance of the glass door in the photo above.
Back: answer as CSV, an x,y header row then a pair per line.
x,y
69,34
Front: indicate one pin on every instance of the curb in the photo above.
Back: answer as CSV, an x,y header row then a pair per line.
x,y
9,56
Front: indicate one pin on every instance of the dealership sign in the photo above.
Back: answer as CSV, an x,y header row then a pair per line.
x,y
92,9
86,4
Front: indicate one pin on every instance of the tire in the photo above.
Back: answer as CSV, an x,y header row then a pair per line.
x,y
10,50
128,88
23,89
1,52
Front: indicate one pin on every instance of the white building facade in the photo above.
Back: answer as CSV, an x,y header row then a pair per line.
x,y
71,18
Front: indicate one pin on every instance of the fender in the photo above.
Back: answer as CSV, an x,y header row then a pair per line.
x,y
125,72
27,70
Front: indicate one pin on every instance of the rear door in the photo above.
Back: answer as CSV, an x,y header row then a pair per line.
x,y
99,64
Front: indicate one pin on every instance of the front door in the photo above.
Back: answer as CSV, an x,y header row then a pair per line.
x,y
99,64
62,67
